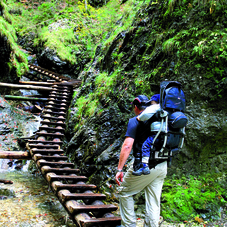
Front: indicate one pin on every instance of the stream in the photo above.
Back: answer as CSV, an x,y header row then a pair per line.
x,y
28,201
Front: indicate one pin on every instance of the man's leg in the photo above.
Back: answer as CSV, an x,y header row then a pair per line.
x,y
153,195
130,186
127,189
128,216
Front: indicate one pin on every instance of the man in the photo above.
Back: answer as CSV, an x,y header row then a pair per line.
x,y
137,133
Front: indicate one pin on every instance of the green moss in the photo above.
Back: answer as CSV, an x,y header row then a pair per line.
x,y
89,105
92,25
4,9
17,59
187,198
61,41
104,82
86,106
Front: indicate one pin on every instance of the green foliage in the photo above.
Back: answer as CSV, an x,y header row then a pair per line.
x,y
171,44
188,40
104,83
17,59
4,9
186,198
54,25
60,40
88,105
46,11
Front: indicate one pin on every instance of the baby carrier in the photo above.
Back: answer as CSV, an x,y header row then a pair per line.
x,y
170,138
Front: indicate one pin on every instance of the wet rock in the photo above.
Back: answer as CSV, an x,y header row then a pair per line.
x,y
33,109
3,197
27,41
109,154
12,61
95,143
48,59
6,74
7,193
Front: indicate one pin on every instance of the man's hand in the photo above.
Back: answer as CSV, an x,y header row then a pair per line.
x,y
119,176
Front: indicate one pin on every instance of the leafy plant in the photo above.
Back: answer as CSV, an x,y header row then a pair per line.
x,y
17,60
188,197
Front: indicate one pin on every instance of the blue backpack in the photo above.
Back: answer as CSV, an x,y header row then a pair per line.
x,y
168,142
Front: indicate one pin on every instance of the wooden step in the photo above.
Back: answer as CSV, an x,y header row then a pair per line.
x,y
54,113
59,96
58,101
43,146
50,134
51,128
53,123
65,196
45,141
56,104
55,107
46,151
65,93
55,164
110,222
66,171
62,89
75,209
50,177
73,187
53,118
36,157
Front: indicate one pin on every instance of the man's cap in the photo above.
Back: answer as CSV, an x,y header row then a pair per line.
x,y
141,100
155,98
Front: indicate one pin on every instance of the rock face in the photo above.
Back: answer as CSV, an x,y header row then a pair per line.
x,y
48,59
161,46
12,60
4,58
6,73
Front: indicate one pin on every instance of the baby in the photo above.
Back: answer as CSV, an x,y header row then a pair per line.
x,y
155,126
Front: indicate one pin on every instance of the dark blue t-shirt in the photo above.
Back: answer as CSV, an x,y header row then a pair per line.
x,y
139,131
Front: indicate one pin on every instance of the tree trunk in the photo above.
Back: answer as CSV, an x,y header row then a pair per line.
x,y
28,87
15,155
38,83
6,181
12,97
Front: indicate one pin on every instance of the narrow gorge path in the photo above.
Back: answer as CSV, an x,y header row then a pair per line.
x,y
85,206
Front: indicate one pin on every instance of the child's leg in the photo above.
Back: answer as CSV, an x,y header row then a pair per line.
x,y
145,157
146,148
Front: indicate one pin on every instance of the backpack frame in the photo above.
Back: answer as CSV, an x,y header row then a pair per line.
x,y
171,139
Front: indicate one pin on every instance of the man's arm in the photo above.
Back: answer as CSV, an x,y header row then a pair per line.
x,y
125,151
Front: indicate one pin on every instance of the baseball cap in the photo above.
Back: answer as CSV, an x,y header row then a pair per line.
x,y
140,100
155,98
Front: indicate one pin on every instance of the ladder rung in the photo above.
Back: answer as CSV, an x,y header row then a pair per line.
x,y
91,208
112,221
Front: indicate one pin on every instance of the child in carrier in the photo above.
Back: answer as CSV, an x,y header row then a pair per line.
x,y
155,126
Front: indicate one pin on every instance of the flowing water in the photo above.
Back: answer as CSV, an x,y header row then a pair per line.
x,y
29,202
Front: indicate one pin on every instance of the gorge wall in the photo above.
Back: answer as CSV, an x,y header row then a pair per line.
x,y
184,42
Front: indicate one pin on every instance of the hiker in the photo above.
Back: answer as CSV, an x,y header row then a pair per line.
x,y
130,185
155,126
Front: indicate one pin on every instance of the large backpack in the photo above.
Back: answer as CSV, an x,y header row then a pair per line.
x,y
168,142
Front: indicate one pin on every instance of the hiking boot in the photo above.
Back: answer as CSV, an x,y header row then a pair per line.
x,y
143,170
